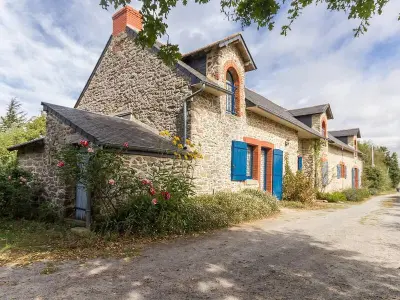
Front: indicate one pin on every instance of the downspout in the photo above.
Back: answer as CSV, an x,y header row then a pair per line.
x,y
185,101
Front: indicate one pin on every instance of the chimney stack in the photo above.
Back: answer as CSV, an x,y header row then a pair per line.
x,y
126,16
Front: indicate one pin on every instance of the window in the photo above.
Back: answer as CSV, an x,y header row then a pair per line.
x,y
249,162
300,163
324,128
230,99
341,171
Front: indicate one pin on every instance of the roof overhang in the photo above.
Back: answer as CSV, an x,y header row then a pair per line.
x,y
210,88
35,142
303,134
238,41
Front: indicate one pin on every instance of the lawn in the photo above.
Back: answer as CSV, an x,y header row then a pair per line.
x,y
23,242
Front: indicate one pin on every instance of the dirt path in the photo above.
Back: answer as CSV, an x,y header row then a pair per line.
x,y
352,253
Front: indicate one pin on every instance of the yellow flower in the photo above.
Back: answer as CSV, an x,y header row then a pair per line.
x,y
186,157
174,142
176,138
165,133
180,146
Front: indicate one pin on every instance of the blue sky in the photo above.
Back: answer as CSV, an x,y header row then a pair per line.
x,y
48,49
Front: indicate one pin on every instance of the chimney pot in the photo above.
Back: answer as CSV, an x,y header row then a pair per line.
x,y
126,16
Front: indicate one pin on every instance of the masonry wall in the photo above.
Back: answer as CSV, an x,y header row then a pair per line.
x,y
215,129
42,161
335,157
130,79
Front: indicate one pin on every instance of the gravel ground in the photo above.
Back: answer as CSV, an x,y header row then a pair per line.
x,y
351,253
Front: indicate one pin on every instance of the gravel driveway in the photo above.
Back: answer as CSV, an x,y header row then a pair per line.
x,y
351,253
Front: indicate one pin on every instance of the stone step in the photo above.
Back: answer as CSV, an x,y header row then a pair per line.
x,y
75,222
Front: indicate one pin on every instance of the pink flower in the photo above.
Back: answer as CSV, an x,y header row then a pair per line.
x,y
154,201
166,195
126,145
60,164
152,191
146,182
90,150
111,181
22,180
9,177
84,143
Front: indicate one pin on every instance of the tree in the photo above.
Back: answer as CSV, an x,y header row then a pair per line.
x,y
259,12
34,128
394,169
14,116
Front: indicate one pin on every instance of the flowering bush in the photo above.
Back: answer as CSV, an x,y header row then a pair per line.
x,y
21,196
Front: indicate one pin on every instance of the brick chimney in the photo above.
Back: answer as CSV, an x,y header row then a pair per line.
x,y
126,16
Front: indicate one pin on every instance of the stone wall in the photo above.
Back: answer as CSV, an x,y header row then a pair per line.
x,y
335,157
130,79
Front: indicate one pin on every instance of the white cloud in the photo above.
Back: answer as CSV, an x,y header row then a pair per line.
x,y
48,51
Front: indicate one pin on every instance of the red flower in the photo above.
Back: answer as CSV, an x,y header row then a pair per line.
x,y
111,181
126,145
154,201
84,143
60,164
166,195
152,191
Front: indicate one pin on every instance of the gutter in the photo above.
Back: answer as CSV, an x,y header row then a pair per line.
x,y
185,101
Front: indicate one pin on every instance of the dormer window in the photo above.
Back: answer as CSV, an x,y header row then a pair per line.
x,y
230,99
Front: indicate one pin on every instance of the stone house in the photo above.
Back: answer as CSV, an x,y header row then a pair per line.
x,y
132,95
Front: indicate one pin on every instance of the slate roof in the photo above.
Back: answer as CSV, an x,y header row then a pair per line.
x,y
278,111
237,37
38,141
339,143
312,110
346,132
111,131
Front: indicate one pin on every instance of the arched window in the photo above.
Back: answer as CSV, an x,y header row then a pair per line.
x,y
323,127
230,99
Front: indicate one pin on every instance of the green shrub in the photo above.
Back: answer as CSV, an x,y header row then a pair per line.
x,y
356,195
178,216
297,187
373,191
21,196
332,197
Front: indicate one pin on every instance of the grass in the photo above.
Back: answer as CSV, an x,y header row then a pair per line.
x,y
23,242
310,206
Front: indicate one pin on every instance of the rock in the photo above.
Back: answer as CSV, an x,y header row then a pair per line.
x,y
81,231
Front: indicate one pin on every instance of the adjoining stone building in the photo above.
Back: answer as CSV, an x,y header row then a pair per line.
x,y
132,94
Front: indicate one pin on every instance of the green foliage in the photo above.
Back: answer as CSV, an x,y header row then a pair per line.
x,y
386,171
356,195
14,116
262,13
297,186
21,197
27,131
394,169
332,197
139,216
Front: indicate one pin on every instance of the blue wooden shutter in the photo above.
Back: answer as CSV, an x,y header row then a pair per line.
x,y
300,163
339,171
325,173
353,183
277,174
239,159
